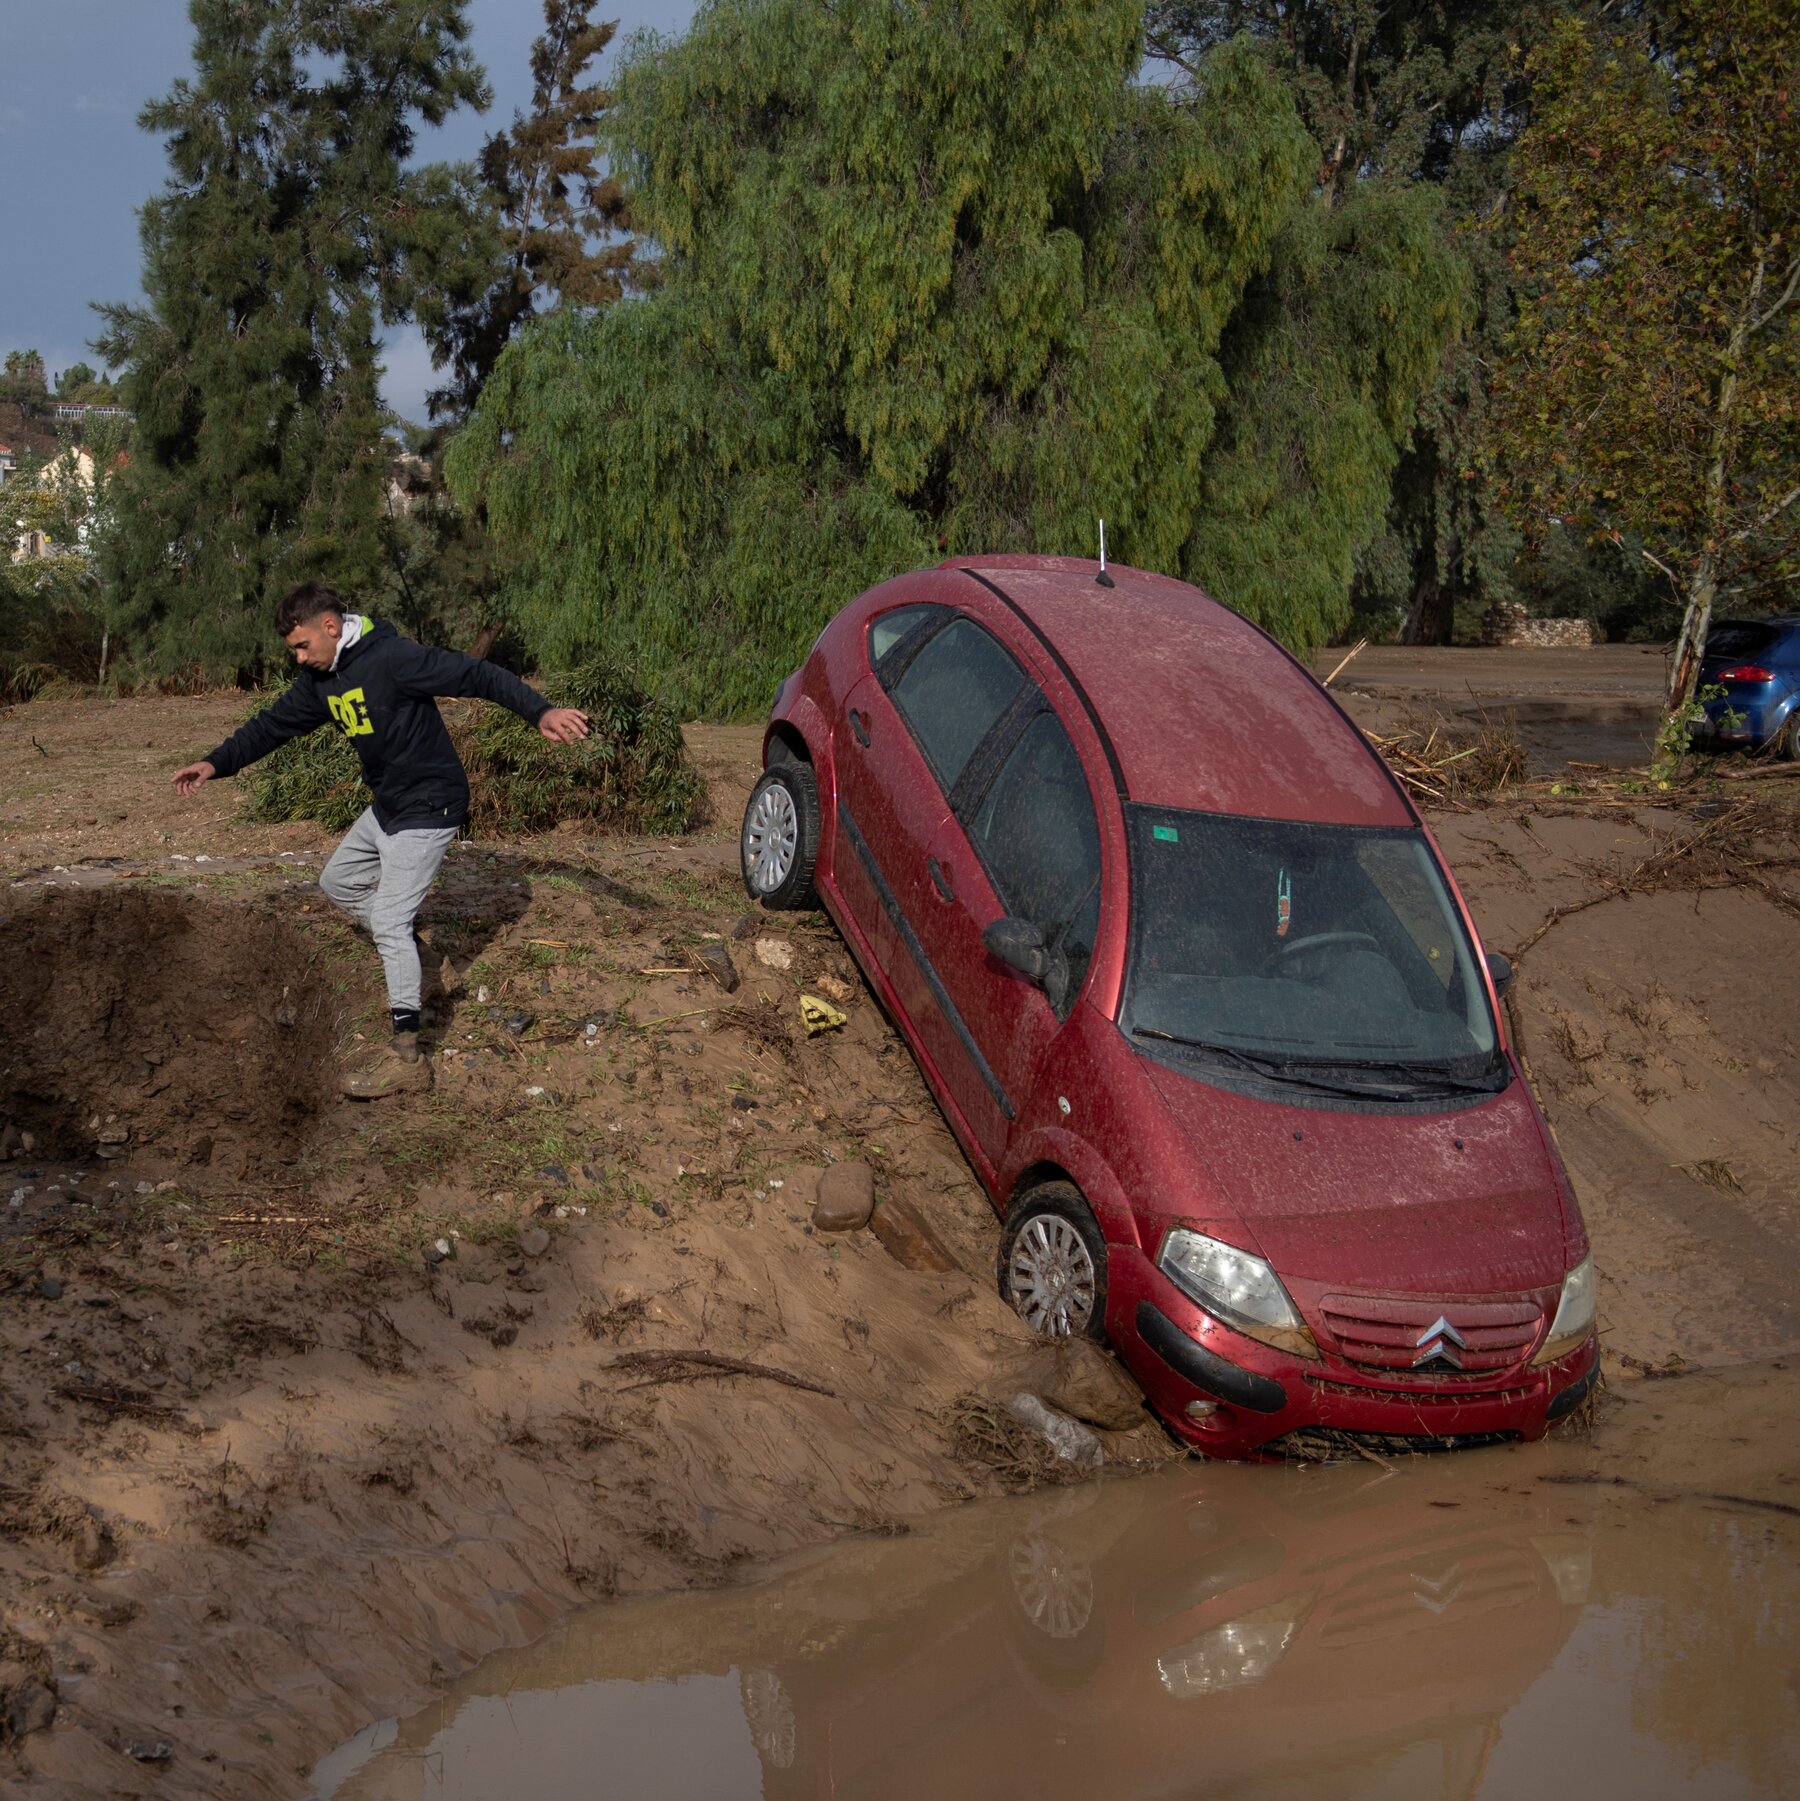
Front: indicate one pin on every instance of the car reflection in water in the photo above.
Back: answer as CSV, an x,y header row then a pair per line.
x,y
1345,1632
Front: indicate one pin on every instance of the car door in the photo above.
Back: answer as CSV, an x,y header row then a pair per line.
x,y
1021,840
938,682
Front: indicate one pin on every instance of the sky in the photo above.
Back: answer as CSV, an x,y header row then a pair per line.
x,y
74,167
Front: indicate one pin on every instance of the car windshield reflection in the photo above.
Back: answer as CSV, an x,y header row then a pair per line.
x,y
1330,957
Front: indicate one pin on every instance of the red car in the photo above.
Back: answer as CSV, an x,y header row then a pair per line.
x,y
1194,989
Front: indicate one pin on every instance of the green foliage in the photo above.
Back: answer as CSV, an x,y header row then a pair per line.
x,y
1654,388
23,378
289,228
945,283
559,213
632,774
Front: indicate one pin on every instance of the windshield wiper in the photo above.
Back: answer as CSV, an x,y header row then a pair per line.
x,y
1425,1075
1276,1069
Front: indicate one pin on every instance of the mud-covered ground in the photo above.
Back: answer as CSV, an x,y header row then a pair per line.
x,y
271,1464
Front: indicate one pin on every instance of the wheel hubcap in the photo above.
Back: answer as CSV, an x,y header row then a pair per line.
x,y
771,833
1050,1279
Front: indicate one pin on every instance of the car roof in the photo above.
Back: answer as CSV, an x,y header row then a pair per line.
x,y
1203,709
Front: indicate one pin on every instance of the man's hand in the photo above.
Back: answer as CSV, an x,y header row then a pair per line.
x,y
561,725
190,778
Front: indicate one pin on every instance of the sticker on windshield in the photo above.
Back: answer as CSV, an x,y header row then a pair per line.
x,y
1167,833
1284,904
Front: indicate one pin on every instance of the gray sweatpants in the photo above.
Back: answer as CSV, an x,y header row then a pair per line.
x,y
380,878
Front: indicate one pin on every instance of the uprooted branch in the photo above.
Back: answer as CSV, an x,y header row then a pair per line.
x,y
695,1366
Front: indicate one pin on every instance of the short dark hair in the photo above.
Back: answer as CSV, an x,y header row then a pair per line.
x,y
306,601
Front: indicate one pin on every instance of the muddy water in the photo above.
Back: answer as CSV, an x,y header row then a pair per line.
x,y
1498,1623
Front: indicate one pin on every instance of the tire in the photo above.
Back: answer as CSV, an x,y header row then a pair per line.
x,y
779,840
1052,1263
1788,739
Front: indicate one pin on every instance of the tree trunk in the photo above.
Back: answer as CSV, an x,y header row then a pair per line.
x,y
485,640
1690,647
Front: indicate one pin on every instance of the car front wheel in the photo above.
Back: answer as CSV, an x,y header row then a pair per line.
x,y
1053,1263
779,842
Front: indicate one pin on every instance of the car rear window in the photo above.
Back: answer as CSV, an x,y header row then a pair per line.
x,y
951,692
1742,640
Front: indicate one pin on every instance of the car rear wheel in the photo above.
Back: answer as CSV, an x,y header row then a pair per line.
x,y
1053,1263
1789,742
779,842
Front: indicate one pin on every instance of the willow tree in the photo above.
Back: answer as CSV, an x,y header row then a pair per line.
x,y
290,227
1654,388
945,279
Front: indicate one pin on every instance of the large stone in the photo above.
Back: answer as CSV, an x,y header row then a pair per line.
x,y
907,1238
845,1199
1092,1386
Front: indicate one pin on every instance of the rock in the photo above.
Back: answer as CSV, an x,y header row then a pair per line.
x,y
518,1024
93,1546
9,1140
906,1237
745,1103
1091,1386
659,1210
554,1172
105,1610
26,1704
50,1288
535,1242
1069,1439
771,953
27,1142
157,1750
845,1199
744,926
433,1255
715,959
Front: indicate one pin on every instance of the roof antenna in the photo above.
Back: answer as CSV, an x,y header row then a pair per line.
x,y
1103,580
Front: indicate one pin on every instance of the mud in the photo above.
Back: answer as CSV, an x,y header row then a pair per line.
x,y
273,1464
1500,1623
143,1026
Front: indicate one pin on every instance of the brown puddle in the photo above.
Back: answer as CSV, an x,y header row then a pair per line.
x,y
1497,1623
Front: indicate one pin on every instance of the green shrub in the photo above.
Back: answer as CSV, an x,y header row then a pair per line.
x,y
633,774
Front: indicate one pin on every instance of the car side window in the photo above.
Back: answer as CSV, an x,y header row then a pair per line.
x,y
894,636
950,692
1035,829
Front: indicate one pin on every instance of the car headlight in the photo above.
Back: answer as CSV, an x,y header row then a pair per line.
x,y
1574,1313
1233,1286
1233,1655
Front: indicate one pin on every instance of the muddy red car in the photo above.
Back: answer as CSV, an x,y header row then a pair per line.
x,y
1198,996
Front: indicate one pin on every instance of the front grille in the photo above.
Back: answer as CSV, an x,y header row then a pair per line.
x,y
1330,1444
1441,1394
1385,1335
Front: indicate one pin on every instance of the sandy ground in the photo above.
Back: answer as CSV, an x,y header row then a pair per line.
x,y
268,1471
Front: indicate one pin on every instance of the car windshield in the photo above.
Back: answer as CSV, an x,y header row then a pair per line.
x,y
1327,956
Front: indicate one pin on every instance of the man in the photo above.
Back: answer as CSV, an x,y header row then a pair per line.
x,y
381,690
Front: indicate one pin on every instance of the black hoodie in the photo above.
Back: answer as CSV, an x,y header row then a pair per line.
x,y
382,694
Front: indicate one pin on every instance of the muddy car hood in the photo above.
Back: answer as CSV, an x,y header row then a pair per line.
x,y
1460,1202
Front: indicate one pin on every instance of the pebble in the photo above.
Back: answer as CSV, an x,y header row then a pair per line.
x,y
744,1103
150,1750
846,1198
659,1210
535,1242
554,1172
50,1288
771,953
518,1024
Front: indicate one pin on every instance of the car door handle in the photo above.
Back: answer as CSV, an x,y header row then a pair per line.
x,y
859,724
940,878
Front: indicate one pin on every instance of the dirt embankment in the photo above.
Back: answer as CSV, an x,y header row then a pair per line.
x,y
270,1463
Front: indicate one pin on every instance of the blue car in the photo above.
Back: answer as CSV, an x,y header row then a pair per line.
x,y
1757,663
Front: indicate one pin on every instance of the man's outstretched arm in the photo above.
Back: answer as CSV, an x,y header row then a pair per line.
x,y
430,672
298,711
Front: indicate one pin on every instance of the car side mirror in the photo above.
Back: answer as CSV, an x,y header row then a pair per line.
x,y
1500,969
1019,945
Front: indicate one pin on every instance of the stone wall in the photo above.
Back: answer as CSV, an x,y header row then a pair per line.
x,y
1511,627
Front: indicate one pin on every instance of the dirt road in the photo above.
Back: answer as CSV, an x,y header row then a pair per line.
x,y
271,1463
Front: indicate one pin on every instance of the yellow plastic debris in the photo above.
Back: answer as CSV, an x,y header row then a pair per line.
x,y
819,1016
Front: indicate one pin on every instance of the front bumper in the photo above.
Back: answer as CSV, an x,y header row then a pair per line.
x,y
1248,1394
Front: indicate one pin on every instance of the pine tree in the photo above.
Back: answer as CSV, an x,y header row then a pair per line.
x,y
948,281
560,215
289,227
